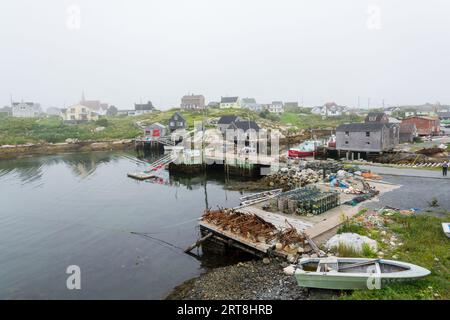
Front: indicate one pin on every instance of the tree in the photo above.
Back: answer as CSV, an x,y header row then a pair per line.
x,y
112,111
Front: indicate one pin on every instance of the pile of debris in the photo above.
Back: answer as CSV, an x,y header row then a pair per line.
x,y
251,227
291,242
412,158
433,152
350,183
292,178
248,226
329,165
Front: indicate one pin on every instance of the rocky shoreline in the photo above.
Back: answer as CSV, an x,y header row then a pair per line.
x,y
15,151
250,280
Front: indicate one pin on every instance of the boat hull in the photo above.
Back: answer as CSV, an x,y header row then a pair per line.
x,y
343,283
446,228
292,153
395,271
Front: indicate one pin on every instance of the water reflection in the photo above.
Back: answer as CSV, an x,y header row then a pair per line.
x,y
30,169
127,236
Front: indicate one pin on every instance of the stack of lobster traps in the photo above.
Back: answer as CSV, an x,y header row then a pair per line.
x,y
307,200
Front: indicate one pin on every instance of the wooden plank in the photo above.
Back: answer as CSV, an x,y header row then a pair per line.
x,y
198,242
313,245
277,219
263,247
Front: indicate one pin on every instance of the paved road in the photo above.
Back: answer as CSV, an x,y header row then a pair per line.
x,y
420,173
415,192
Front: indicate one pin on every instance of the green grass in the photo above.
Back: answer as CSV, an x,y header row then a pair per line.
x,y
306,121
424,244
31,130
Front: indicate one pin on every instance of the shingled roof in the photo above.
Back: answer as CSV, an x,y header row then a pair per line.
x,y
377,116
229,99
227,119
244,125
370,126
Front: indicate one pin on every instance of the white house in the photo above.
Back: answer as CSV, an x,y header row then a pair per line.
x,y
276,107
230,103
330,109
251,104
26,109
79,113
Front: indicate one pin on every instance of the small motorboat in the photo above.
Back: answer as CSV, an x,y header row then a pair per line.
x,y
354,273
446,228
304,149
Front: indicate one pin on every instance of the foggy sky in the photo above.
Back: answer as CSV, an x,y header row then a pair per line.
x,y
321,50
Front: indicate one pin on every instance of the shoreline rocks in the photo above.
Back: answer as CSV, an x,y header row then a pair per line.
x,y
251,280
14,151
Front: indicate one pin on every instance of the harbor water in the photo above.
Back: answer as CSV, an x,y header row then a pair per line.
x,y
126,236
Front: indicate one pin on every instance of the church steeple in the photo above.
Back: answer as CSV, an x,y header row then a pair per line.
x,y
82,96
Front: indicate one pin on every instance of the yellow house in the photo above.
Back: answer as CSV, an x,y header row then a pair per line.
x,y
230,103
79,112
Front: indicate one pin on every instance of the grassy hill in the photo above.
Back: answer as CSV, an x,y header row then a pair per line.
x,y
31,130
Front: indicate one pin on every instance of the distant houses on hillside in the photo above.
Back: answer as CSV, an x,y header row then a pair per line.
x,y
230,103
79,113
330,109
94,105
276,107
193,102
26,109
139,109
251,104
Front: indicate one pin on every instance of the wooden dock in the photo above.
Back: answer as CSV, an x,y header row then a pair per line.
x,y
140,175
317,229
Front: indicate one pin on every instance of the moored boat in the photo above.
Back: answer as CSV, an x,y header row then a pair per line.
x,y
304,149
354,273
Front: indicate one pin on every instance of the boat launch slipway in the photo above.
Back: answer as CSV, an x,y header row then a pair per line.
x,y
354,273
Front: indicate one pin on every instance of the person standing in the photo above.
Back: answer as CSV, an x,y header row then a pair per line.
x,y
444,169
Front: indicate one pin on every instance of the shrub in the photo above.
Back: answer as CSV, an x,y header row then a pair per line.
x,y
102,122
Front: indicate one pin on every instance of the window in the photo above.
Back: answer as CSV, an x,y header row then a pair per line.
x,y
172,123
367,133
347,133
346,142
367,142
180,124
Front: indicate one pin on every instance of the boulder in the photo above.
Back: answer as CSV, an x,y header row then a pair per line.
x,y
351,240
289,270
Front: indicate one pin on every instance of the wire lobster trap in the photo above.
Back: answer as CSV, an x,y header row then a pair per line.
x,y
307,200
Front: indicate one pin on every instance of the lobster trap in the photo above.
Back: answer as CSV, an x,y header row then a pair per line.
x,y
307,200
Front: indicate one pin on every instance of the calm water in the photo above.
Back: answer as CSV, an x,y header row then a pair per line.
x,y
81,209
